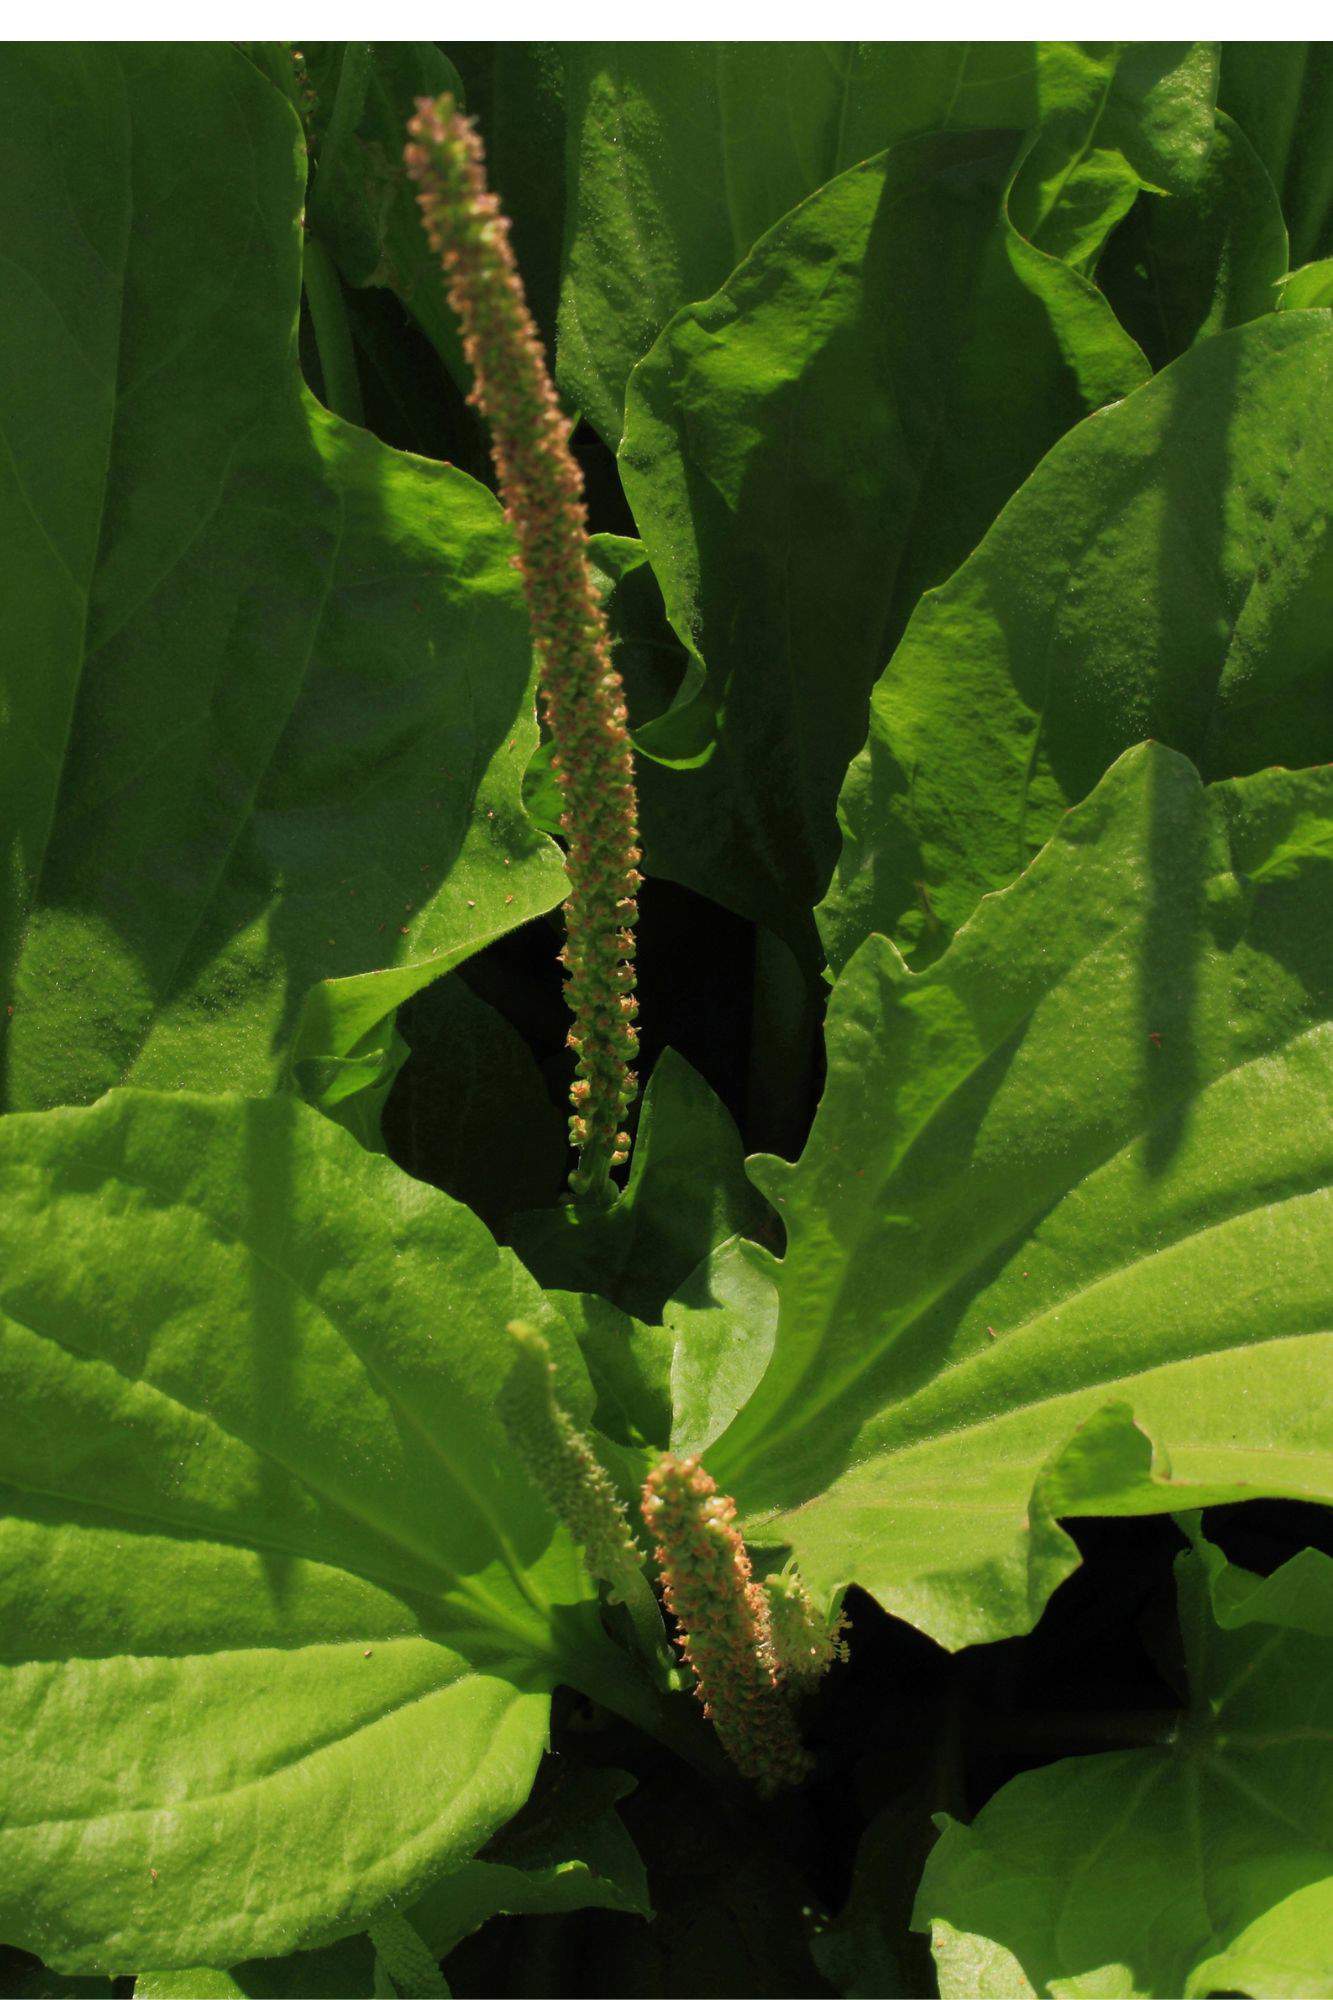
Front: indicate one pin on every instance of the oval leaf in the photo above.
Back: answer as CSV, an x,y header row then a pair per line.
x,y
282,1614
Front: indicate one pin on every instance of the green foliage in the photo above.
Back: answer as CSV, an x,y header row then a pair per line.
x,y
1167,572
566,1850
681,157
362,205
809,443
1218,1840
270,717
686,1194
265,1539
1141,1021
1282,93
1178,271
474,1115
954,426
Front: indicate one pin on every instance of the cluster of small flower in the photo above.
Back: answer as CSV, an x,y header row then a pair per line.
x,y
583,697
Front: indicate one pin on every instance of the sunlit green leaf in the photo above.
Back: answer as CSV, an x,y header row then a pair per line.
x,y
567,1850
1312,285
281,1610
1167,571
1054,1245
1184,267
681,155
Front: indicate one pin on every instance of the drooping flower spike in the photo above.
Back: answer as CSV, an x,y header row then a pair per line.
x,y
723,1616
583,699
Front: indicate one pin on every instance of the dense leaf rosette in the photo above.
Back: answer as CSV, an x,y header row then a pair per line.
x,y
281,1612
1077,1169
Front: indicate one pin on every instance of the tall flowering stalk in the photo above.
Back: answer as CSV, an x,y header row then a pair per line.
x,y
723,1615
582,694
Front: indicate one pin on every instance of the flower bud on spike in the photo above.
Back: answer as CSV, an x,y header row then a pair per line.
x,y
723,1616
565,1467
583,699
805,1643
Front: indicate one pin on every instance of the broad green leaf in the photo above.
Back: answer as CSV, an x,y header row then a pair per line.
x,y
809,449
1056,1243
685,1195
966,1963
211,1982
268,691
681,155
1202,1866
1184,267
281,1612
1282,94
566,1850
721,1324
1167,571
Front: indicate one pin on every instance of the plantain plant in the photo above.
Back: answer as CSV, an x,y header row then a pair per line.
x,y
807,569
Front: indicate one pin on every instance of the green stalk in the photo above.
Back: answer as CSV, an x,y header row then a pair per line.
x,y
333,336
348,100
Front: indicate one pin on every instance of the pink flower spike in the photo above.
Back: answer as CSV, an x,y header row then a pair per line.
x,y
541,489
723,1618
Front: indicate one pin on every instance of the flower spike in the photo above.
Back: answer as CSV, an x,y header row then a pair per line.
x,y
582,694
723,1616
565,1467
